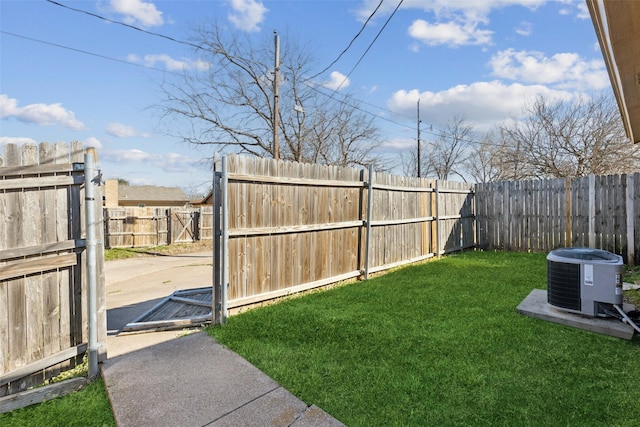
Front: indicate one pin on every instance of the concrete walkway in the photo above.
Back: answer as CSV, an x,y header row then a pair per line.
x,y
184,378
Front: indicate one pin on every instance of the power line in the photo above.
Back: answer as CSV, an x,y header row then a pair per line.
x,y
200,47
312,86
133,27
351,42
88,53
317,87
307,81
371,44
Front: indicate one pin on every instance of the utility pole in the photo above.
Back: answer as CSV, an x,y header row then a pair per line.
x,y
276,84
419,154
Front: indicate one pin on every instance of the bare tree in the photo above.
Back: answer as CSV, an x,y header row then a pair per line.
x,y
566,139
483,162
231,104
447,153
409,161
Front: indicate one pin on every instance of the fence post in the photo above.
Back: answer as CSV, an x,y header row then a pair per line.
x,y
592,211
368,233
438,218
221,242
506,203
89,182
225,237
217,235
167,213
568,217
631,253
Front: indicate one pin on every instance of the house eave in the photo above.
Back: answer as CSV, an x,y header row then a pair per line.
x,y
617,26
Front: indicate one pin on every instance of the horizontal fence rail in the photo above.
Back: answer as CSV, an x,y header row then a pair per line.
x,y
134,227
293,227
597,211
43,287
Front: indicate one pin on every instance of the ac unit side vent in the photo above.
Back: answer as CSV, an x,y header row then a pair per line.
x,y
563,285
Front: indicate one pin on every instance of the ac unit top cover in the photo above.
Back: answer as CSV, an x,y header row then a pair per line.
x,y
576,255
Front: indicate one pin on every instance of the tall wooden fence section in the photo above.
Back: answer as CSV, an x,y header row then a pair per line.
x,y
133,227
43,287
596,211
288,227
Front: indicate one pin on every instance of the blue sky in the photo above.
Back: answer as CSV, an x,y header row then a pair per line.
x,y
98,82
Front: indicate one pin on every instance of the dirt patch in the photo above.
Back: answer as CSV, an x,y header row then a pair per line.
x,y
123,253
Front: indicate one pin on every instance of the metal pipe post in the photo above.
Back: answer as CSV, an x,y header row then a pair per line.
x,y
90,216
369,215
225,238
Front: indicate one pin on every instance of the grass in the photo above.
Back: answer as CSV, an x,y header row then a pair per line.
x,y
88,407
441,344
125,253
632,275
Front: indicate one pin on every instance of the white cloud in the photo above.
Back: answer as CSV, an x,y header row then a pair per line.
x,y
577,8
169,63
449,33
17,140
482,104
399,144
524,29
40,114
120,130
444,8
138,12
247,15
564,70
92,142
167,162
338,81
454,23
583,10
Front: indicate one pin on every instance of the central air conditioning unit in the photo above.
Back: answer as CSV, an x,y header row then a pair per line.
x,y
584,281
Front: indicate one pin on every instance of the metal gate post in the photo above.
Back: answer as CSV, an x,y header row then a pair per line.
x,y
220,242
225,237
367,240
90,177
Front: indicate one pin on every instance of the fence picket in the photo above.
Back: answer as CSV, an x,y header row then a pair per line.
x,y
560,212
44,310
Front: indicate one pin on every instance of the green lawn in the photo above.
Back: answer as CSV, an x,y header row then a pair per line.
x,y
88,407
441,344
434,344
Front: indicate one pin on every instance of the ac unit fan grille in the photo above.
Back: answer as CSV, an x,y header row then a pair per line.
x,y
563,285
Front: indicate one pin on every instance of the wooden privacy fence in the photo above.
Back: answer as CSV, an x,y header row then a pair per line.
x,y
43,286
287,227
133,227
596,211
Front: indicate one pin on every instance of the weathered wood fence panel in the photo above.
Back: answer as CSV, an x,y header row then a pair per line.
x,y
134,227
290,225
597,211
401,220
184,225
205,215
456,216
293,227
43,308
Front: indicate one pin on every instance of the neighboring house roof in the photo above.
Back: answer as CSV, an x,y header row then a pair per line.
x,y
207,200
617,24
150,193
